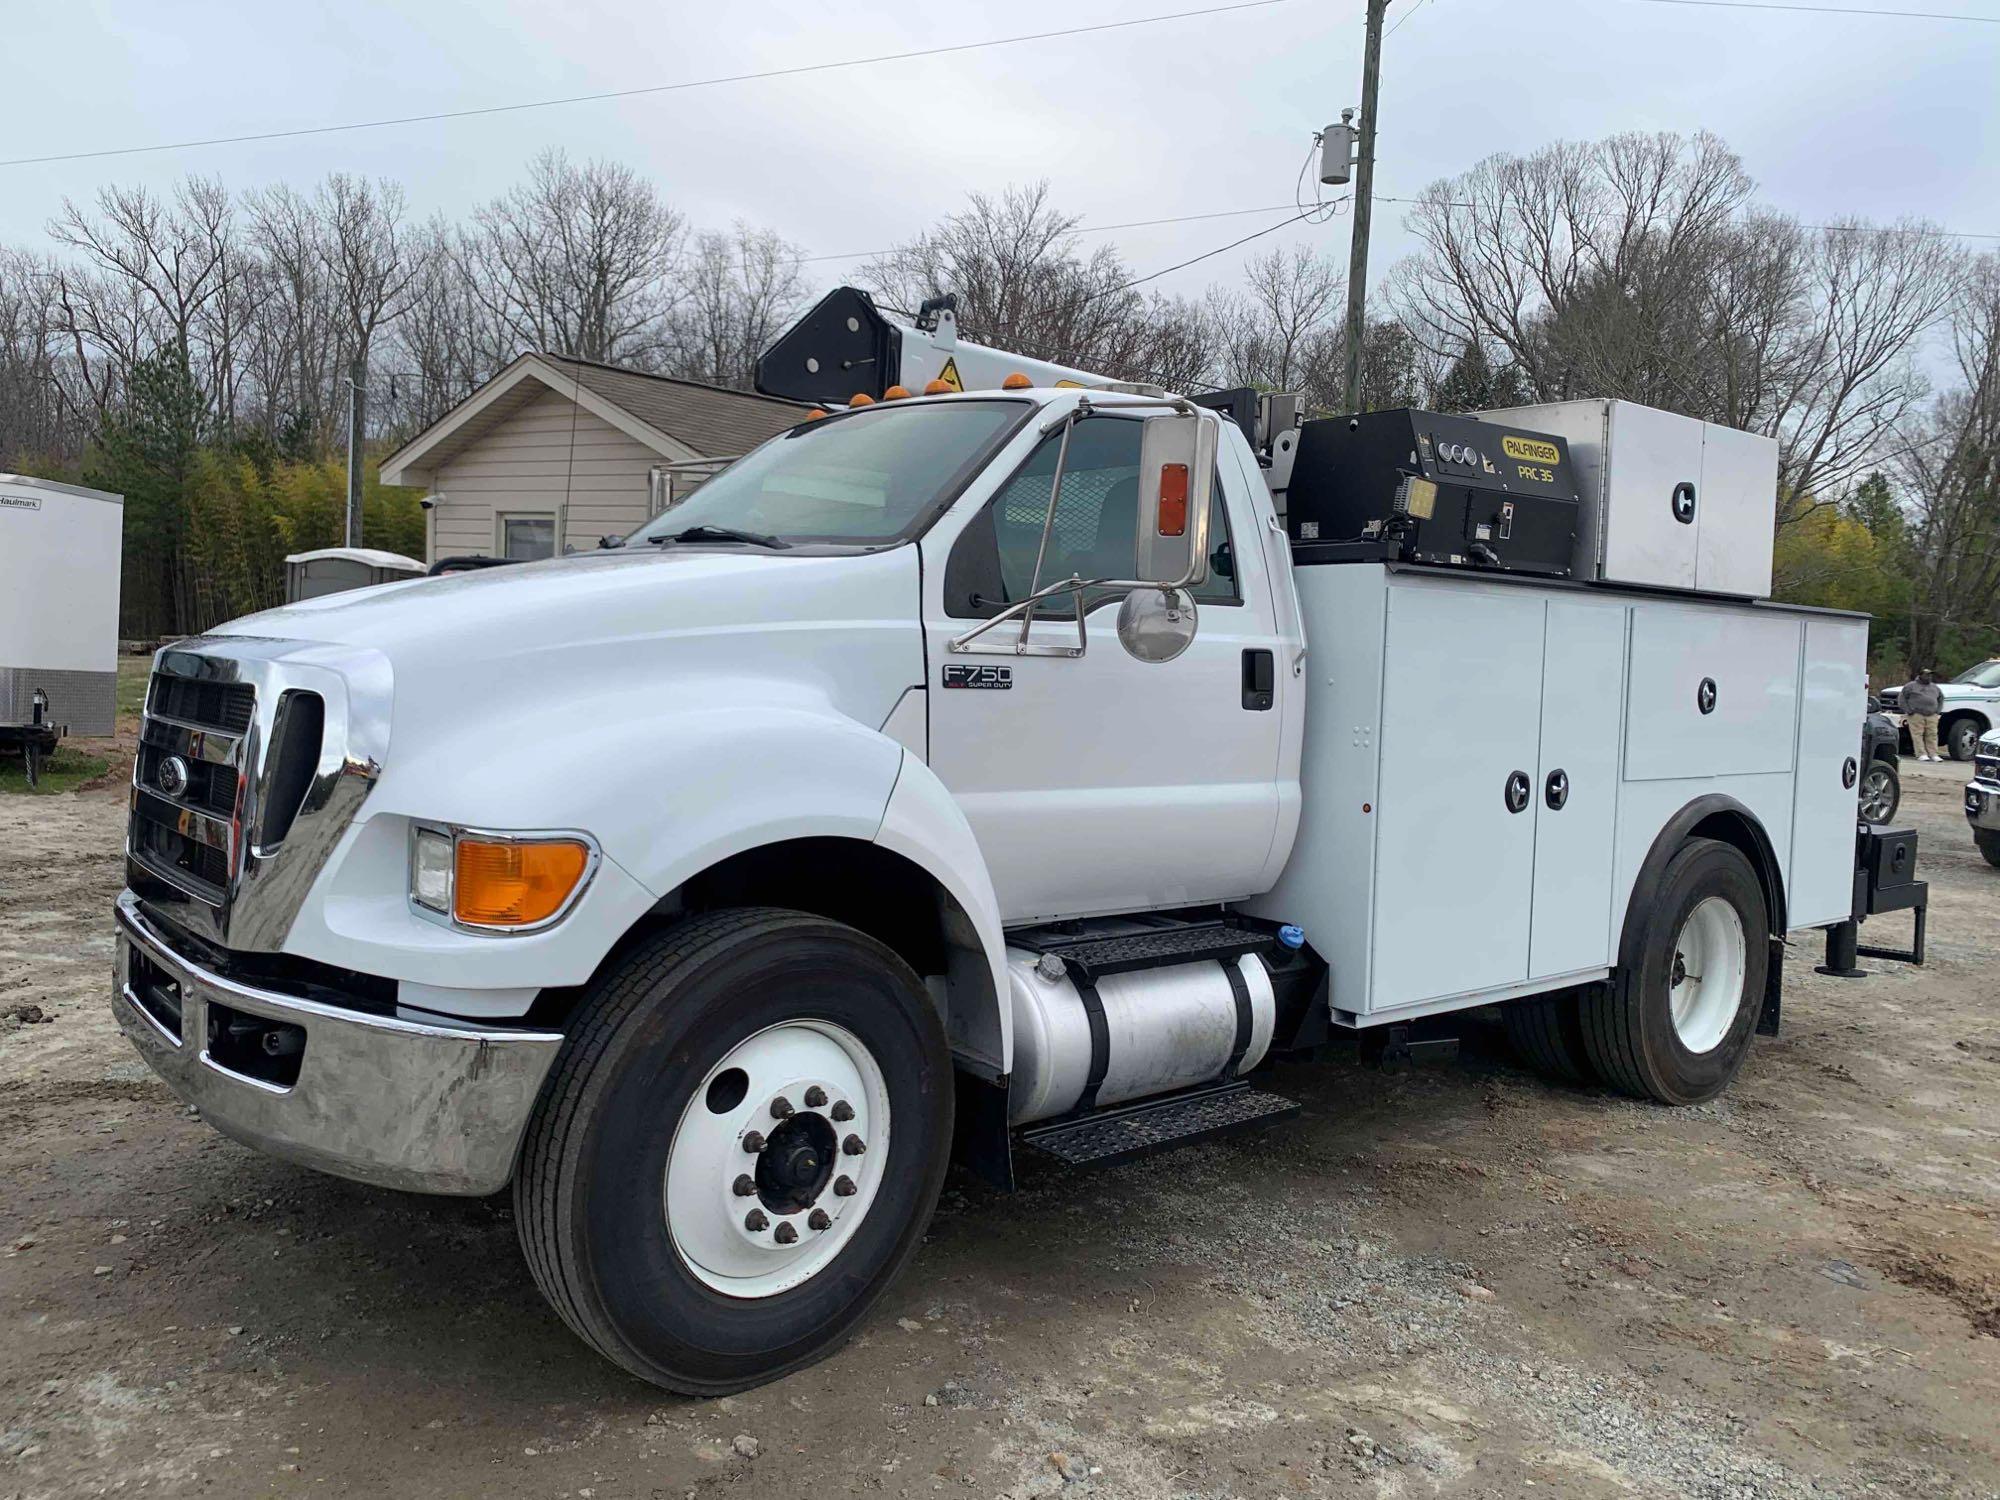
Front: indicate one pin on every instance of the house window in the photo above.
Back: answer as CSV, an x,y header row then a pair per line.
x,y
526,538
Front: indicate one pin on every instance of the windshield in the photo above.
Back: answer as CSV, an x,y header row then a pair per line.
x,y
870,476
1986,674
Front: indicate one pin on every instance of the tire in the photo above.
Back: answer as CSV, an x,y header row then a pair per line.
x,y
1881,793
1961,738
641,1074
1989,844
1630,1030
1547,1034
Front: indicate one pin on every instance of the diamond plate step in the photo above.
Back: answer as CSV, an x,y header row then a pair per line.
x,y
1149,1125
1096,957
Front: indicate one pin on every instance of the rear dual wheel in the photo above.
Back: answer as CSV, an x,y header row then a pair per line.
x,y
738,1148
1675,1024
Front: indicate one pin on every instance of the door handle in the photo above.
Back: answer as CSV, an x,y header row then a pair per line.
x,y
1518,791
1555,791
1260,680
1683,502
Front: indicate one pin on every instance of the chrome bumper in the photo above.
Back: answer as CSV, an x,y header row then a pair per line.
x,y
429,1109
1982,804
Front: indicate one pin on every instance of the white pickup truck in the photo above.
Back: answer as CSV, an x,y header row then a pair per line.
x,y
959,773
1971,707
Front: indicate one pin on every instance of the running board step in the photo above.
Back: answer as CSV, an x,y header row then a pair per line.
x,y
1092,958
1147,1125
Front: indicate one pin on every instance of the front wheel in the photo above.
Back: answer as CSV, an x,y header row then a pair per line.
x,y
1961,739
1988,841
1676,1024
1881,792
737,1149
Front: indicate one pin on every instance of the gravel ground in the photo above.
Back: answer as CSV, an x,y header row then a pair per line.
x,y
1459,1281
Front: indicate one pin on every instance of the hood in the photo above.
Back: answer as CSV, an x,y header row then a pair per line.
x,y
612,594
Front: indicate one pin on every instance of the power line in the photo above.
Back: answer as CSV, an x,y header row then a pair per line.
x,y
1956,234
1830,10
1220,249
634,93
1224,213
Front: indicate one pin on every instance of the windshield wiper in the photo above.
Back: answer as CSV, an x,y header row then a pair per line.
x,y
721,534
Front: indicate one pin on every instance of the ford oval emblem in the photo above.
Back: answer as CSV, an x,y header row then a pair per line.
x,y
172,776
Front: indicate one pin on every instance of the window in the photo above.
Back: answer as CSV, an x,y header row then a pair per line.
x,y
993,563
526,538
1986,675
868,477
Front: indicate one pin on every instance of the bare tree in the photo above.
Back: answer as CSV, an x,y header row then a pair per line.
x,y
1951,474
579,260
1273,330
1637,267
739,289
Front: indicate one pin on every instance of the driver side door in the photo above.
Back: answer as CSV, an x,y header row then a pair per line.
x,y
1100,782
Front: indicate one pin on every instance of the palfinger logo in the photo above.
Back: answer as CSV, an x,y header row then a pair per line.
x,y
1530,448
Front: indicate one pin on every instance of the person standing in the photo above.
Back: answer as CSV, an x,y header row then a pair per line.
x,y
1921,701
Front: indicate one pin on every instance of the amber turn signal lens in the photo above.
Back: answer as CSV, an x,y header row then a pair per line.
x,y
1173,500
515,884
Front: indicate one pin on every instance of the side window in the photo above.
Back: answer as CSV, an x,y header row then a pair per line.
x,y
993,563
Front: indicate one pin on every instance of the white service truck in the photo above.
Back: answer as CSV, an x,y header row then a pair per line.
x,y
1022,762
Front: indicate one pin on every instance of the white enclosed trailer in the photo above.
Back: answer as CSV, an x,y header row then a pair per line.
x,y
61,547
995,767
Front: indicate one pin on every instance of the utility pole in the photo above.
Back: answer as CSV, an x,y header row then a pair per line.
x,y
1364,189
357,396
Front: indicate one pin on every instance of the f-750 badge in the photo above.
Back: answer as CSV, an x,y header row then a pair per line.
x,y
960,676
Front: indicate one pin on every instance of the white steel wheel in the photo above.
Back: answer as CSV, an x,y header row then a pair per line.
x,y
777,1158
1711,957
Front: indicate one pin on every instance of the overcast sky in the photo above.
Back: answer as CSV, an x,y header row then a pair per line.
x,y
1833,115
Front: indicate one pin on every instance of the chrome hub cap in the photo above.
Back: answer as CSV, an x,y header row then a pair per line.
x,y
777,1158
1705,984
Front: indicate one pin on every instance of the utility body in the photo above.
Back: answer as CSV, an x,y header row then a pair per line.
x,y
1001,767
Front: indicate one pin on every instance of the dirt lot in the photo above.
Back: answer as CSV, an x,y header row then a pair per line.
x,y
1459,1282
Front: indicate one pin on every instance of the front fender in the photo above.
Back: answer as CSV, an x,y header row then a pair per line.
x,y
925,825
666,797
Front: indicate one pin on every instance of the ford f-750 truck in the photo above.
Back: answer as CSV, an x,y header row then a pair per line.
x,y
1022,762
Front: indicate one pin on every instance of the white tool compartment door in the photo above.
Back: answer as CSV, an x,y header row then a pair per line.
x,y
1650,455
1714,692
1576,788
1454,856
1739,493
1821,888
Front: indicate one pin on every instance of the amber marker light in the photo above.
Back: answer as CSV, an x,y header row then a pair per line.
x,y
516,883
1016,382
939,388
896,393
861,398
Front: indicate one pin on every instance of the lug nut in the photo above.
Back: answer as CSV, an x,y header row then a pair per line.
x,y
843,1111
818,1220
815,1097
754,1142
843,1187
781,1107
755,1222
853,1145
744,1186
784,1234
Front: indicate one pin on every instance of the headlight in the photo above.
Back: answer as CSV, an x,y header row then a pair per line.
x,y
499,882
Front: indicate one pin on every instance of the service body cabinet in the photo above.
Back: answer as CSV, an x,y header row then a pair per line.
x,y
1667,501
1486,764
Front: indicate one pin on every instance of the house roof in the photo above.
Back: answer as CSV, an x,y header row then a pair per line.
x,y
678,419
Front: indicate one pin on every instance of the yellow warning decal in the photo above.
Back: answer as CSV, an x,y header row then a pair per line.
x,y
1531,448
1071,385
949,374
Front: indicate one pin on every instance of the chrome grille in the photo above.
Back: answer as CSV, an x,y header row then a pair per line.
x,y
253,757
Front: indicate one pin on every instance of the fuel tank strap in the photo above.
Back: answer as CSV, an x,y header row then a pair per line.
x,y
1239,988
1100,1040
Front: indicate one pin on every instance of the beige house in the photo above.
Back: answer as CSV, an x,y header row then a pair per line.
x,y
553,453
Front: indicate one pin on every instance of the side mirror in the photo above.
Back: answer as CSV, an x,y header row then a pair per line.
x,y
1176,469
